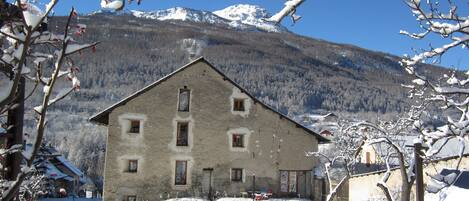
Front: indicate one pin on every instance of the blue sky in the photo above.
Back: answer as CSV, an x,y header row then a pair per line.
x,y
371,24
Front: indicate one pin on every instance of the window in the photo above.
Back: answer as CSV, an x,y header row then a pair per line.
x,y
134,126
238,140
288,181
133,166
131,198
181,173
292,182
184,99
236,174
182,134
238,104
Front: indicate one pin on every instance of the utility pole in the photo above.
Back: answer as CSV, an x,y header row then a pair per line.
x,y
253,187
419,190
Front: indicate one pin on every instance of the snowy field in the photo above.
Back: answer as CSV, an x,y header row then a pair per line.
x,y
448,194
179,199
237,199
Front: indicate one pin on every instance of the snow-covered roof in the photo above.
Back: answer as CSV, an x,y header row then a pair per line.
x,y
451,148
103,116
319,122
455,192
53,164
69,165
463,179
53,172
319,117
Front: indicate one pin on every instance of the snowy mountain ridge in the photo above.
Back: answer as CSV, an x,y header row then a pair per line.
x,y
241,16
251,15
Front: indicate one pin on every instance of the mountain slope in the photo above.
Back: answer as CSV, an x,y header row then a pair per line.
x,y
292,73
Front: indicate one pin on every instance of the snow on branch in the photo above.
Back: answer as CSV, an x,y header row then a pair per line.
x,y
116,4
433,21
29,46
289,9
73,48
446,97
112,4
389,135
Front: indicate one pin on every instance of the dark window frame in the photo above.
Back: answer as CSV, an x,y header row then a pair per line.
x,y
129,198
184,182
239,105
181,91
237,143
237,174
129,167
134,126
179,138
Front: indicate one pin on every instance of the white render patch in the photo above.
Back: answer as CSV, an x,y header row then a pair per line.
x,y
124,121
172,145
237,94
241,131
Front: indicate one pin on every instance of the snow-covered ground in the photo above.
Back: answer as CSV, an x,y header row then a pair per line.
x,y
180,199
237,199
449,194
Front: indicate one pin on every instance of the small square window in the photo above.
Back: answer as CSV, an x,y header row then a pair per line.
x,y
238,104
238,140
133,166
134,126
182,134
131,198
237,174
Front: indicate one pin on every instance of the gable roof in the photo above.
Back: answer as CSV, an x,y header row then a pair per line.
x,y
103,116
55,166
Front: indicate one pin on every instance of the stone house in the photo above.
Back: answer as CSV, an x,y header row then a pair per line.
x,y
196,132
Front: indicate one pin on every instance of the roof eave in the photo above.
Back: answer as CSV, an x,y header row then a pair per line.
x,y
102,118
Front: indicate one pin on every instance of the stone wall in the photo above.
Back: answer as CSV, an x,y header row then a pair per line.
x,y
363,187
273,143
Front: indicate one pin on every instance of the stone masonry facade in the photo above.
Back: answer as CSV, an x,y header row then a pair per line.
x,y
225,141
